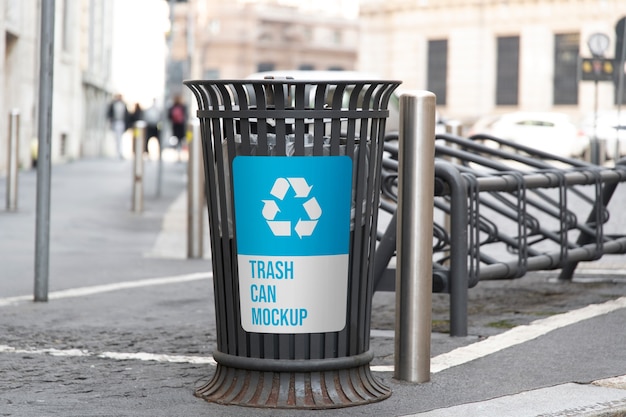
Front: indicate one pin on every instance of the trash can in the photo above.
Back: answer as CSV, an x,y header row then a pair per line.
x,y
292,181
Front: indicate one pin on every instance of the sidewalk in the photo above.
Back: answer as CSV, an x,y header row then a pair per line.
x,y
129,328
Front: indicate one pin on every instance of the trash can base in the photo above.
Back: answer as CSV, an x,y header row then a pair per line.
x,y
293,390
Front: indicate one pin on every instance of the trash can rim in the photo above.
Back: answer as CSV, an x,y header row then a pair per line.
x,y
292,81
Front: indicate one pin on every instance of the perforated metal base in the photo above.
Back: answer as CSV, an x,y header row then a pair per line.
x,y
294,390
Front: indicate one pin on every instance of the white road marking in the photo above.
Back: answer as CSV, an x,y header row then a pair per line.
x,y
456,357
98,289
143,356
516,336
73,353
120,356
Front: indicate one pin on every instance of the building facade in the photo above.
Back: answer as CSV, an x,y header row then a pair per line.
x,y
484,57
236,38
80,76
95,39
18,49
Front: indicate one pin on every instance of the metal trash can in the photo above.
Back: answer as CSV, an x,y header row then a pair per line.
x,y
292,181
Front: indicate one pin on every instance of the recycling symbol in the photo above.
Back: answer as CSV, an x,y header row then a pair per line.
x,y
271,208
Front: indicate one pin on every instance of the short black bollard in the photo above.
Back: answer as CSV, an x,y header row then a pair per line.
x,y
292,179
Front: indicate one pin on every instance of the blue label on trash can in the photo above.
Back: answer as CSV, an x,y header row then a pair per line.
x,y
292,218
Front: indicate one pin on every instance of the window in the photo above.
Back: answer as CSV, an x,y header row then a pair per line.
x,y
437,69
507,71
566,49
265,66
337,37
176,71
66,38
63,144
211,74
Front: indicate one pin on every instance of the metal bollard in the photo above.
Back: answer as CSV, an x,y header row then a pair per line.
x,y
13,159
454,127
602,151
195,193
597,151
414,236
139,136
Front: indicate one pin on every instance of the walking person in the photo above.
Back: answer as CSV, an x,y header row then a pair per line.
x,y
152,117
178,117
118,117
136,115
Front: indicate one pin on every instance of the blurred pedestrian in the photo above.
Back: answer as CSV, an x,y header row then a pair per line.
x,y
136,115
178,117
152,117
119,118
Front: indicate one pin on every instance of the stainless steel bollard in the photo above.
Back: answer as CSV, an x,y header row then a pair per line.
x,y
139,138
13,159
597,151
454,127
195,193
414,236
602,151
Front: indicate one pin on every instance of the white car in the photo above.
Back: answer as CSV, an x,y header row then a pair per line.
x,y
608,129
546,131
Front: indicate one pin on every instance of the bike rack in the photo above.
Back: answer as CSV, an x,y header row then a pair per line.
x,y
512,210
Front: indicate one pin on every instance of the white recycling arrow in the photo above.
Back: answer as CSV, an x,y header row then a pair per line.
x,y
313,209
270,208
280,188
305,227
280,228
300,186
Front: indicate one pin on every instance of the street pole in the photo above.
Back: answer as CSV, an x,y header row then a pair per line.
x,y
44,134
164,117
620,93
595,148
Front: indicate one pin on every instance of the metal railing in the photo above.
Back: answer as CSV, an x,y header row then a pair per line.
x,y
512,210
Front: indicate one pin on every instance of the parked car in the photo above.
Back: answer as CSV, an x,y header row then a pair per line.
x,y
609,128
550,132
